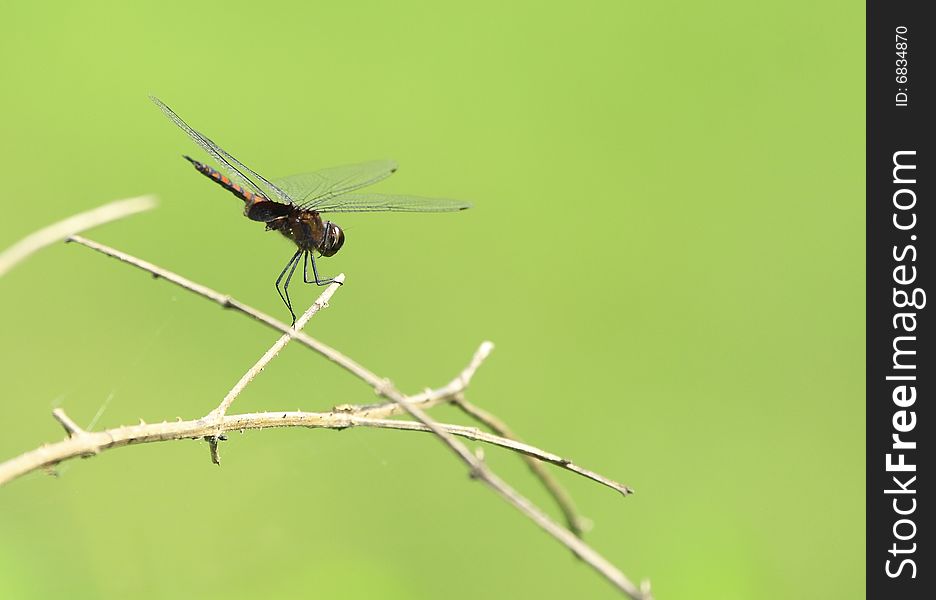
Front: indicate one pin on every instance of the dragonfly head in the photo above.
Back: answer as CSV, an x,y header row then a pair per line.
x,y
334,239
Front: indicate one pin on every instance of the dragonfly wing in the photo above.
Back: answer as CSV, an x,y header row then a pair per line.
x,y
308,190
367,202
237,170
269,190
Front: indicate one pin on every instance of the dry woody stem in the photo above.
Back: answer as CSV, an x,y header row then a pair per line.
x,y
82,443
576,523
59,231
216,423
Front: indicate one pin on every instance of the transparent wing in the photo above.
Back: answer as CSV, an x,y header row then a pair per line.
x,y
237,170
269,190
311,189
366,202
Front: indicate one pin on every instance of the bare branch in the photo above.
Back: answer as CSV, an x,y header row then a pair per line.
x,y
453,392
426,399
218,413
478,469
228,302
87,443
70,226
575,522
473,433
270,354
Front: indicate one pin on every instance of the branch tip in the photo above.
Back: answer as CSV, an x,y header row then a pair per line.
x,y
71,428
64,229
480,355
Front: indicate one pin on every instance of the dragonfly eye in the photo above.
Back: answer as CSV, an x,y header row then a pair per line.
x,y
334,239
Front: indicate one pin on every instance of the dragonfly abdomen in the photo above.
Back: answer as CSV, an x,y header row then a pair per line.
x,y
224,181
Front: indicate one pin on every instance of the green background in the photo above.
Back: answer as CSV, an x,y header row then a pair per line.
x,y
666,247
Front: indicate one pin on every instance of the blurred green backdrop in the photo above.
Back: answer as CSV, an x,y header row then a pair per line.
x,y
666,247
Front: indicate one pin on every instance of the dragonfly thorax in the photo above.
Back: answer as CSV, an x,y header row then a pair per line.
x,y
307,230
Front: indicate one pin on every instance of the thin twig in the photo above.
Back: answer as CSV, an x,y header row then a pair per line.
x,y
576,523
270,354
93,442
479,470
70,226
426,399
229,302
217,415
526,450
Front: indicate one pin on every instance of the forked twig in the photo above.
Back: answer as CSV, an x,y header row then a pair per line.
x,y
82,443
577,524
87,443
270,354
480,470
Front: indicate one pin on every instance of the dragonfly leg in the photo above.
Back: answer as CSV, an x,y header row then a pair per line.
x,y
305,272
286,291
284,295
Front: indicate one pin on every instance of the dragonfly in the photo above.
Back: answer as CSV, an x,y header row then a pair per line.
x,y
293,205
